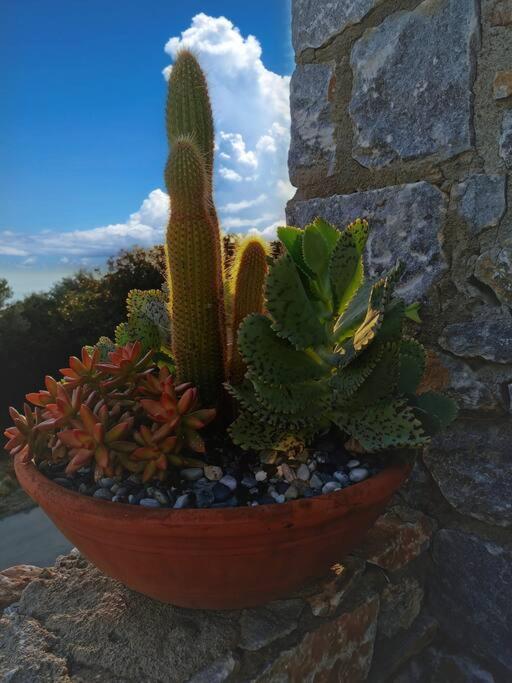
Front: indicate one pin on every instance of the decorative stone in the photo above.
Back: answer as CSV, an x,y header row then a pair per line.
x,y
501,13
506,138
261,475
316,482
287,473
342,478
406,223
471,465
213,473
192,473
324,597
160,496
229,481
470,587
330,487
488,336
218,672
291,493
480,201
312,149
149,503
221,492
502,85
303,472
494,268
260,627
320,656
402,84
103,494
358,474
14,580
470,392
184,501
315,23
81,625
399,606
397,537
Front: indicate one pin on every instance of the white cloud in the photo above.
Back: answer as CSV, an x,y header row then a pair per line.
x,y
251,112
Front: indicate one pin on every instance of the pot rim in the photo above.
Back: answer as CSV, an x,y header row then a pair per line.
x,y
350,497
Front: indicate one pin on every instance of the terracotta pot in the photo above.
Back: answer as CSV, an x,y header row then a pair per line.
x,y
216,559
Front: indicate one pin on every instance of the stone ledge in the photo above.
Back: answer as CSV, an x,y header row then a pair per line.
x,y
72,624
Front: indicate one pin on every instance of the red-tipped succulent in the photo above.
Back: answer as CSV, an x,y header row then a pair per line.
x,y
123,414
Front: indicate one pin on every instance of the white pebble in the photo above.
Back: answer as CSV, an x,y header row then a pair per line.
x,y
213,473
229,481
331,486
303,473
353,463
192,473
261,475
358,474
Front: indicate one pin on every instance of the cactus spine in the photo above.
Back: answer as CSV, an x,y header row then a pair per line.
x,y
195,277
247,285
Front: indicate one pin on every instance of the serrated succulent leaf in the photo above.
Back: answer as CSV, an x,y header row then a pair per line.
x,y
330,234
346,266
292,238
388,424
122,334
374,317
350,377
382,382
294,316
412,366
249,433
315,250
442,408
312,397
272,359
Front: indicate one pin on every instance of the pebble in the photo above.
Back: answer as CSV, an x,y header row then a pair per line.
x,y
249,482
353,463
342,478
312,466
282,486
316,482
229,481
229,503
149,503
205,496
261,475
221,492
184,501
106,483
303,472
192,473
213,473
331,486
160,497
291,493
83,488
67,483
114,488
119,499
287,472
103,494
278,497
358,474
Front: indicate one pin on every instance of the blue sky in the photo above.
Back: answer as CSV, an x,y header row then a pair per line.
x,y
81,120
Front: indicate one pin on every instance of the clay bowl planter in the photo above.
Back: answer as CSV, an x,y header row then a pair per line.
x,y
216,559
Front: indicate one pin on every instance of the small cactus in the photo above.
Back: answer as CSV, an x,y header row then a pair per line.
x,y
247,281
196,302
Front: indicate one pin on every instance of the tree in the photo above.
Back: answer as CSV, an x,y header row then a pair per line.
x,y
5,292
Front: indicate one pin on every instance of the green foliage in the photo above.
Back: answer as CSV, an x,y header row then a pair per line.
x,y
5,292
332,351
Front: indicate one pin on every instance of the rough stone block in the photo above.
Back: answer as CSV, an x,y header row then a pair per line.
x,y
340,650
467,388
312,146
406,222
260,627
400,604
501,13
411,97
488,335
438,665
470,587
324,597
494,268
398,537
502,85
14,580
472,467
480,201
316,22
506,139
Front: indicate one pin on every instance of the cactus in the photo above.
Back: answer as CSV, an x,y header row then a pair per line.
x,y
247,280
196,300
333,351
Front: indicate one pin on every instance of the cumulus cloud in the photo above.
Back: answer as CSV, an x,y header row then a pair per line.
x,y
251,111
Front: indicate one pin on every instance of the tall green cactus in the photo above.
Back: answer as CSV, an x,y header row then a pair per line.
x,y
196,290
247,281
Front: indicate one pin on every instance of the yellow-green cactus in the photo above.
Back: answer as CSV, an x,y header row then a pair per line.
x,y
247,281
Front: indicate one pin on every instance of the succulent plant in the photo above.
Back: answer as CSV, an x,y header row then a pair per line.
x,y
332,350
122,414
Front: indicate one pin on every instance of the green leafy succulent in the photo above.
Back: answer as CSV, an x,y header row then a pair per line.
x,y
332,350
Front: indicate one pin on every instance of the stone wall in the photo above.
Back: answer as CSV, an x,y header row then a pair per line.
x,y
402,113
